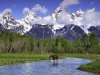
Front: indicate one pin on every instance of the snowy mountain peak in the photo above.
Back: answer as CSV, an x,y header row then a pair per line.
x,y
31,15
77,14
7,15
55,14
91,10
58,10
28,20
7,12
58,19
7,19
85,19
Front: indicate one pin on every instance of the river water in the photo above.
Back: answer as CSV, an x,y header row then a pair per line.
x,y
65,66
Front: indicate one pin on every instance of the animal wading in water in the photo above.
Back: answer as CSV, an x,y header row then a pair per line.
x,y
54,57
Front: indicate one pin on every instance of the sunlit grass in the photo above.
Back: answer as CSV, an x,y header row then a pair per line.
x,y
91,67
7,59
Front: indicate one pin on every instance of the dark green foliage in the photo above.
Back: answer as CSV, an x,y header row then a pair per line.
x,y
16,43
86,42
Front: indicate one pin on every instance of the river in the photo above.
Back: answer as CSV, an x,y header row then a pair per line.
x,y
65,66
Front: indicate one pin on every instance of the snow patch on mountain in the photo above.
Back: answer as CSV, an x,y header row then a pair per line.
x,y
90,18
58,19
28,20
7,19
83,19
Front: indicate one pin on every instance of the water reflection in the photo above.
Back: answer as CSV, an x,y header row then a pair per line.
x,y
64,67
55,64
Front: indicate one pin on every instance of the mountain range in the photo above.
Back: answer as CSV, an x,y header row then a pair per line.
x,y
59,24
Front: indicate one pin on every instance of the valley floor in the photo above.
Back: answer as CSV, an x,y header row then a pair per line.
x,y
8,59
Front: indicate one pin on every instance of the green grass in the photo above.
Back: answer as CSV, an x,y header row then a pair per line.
x,y
24,56
91,67
7,59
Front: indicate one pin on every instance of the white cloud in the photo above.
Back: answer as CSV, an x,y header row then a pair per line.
x,y
67,3
48,20
64,18
39,8
91,19
26,10
45,20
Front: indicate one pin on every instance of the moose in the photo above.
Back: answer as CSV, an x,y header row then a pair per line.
x,y
54,57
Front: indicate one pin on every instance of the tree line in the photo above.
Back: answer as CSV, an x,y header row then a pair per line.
x,y
16,43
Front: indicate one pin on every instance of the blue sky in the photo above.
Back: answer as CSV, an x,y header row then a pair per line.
x,y
17,6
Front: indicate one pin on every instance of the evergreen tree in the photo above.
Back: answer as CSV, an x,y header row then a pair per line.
x,y
86,42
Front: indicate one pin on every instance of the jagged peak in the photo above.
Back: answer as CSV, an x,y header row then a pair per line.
x,y
31,17
79,12
7,14
58,10
7,11
92,10
31,14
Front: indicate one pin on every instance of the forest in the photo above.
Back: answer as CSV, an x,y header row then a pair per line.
x,y
16,43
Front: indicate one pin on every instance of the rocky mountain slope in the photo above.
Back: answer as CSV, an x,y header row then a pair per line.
x,y
59,24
